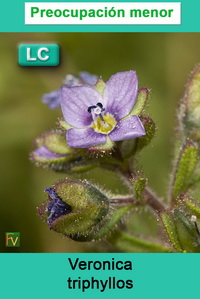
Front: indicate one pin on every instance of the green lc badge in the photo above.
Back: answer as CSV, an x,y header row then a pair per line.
x,y
38,54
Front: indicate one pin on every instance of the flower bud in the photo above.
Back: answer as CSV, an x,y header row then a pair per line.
x,y
181,231
191,105
52,150
75,209
184,169
187,232
139,185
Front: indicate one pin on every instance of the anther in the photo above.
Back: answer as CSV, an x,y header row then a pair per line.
x,y
90,108
100,105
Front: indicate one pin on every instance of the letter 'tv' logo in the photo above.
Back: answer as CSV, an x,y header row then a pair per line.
x,y
12,239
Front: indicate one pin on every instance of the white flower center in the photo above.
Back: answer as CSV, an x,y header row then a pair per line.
x,y
97,110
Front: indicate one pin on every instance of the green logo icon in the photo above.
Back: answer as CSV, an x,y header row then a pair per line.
x,y
38,54
12,239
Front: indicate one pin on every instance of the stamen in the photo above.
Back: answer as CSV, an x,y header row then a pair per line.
x,y
96,111
91,108
100,105
194,219
103,122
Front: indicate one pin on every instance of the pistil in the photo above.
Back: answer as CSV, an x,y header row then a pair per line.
x,y
96,110
102,122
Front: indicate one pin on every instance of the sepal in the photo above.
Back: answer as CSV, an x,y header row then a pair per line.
x,y
181,231
150,129
143,96
184,169
51,150
139,185
100,86
87,207
191,106
79,210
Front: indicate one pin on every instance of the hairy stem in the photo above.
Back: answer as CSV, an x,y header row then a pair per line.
x,y
123,200
150,197
153,201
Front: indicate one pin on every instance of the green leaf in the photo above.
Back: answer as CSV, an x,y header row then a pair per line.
x,y
184,169
114,218
186,231
193,206
192,100
81,166
170,227
139,185
181,231
129,243
195,178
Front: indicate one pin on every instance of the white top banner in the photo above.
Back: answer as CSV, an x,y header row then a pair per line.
x,y
102,13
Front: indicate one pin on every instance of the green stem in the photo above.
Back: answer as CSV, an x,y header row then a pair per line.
x,y
150,197
123,200
127,243
153,201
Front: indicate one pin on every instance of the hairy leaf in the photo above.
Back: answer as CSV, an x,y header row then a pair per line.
x,y
170,227
184,169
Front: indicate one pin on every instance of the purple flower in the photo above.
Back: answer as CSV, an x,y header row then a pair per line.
x,y
56,207
53,98
94,116
51,150
87,78
43,154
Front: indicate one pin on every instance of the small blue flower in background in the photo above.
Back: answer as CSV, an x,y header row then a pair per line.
x,y
95,117
87,78
53,98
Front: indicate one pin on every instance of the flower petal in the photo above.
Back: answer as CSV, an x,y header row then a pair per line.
x,y
52,99
88,78
128,128
120,93
71,80
75,101
44,152
84,138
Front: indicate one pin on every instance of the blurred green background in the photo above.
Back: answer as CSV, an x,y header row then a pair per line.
x,y
163,62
